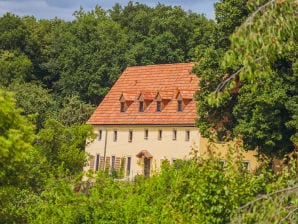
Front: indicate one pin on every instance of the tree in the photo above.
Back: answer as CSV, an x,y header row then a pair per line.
x,y
12,33
34,100
256,82
93,56
229,14
73,112
20,162
14,67
64,146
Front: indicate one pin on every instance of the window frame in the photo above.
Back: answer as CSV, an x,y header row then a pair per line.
x,y
141,106
113,163
187,135
179,106
158,106
130,135
115,136
99,135
97,162
122,107
146,134
174,135
128,165
159,137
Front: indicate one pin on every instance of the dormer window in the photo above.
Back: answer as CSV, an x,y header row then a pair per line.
x,y
179,105
122,107
158,106
126,99
141,106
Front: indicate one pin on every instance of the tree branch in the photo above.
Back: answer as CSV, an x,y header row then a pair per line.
x,y
251,17
269,195
289,214
224,83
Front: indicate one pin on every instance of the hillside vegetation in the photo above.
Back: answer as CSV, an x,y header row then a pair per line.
x,y
53,73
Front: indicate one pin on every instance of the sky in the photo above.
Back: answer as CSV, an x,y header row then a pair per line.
x,y
63,9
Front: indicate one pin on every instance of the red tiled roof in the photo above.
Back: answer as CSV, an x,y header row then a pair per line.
x,y
150,80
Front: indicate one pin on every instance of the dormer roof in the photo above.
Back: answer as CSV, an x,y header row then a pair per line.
x,y
127,96
185,94
146,95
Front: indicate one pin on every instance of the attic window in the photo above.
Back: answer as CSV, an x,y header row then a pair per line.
x,y
158,106
122,106
141,106
179,108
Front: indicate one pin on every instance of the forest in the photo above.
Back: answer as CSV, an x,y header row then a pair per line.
x,y
53,74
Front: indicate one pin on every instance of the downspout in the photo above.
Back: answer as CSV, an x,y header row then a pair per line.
x,y
105,150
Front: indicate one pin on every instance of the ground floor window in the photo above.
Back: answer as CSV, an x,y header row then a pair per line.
x,y
128,165
97,162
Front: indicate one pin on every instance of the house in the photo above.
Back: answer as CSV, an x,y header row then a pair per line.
x,y
147,116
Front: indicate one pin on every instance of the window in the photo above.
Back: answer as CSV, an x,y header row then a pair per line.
x,y
187,135
146,134
179,109
122,107
174,134
97,162
223,163
113,161
141,106
115,136
130,136
158,106
99,134
159,134
128,165
220,137
246,165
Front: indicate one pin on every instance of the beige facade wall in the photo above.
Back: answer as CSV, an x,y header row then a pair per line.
x,y
222,150
160,149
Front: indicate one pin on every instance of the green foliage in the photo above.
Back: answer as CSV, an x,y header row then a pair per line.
x,y
278,205
12,32
20,161
14,67
194,191
64,146
73,112
93,56
248,91
229,14
34,100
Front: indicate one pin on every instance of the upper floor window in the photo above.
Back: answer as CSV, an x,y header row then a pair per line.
x,y
141,106
179,109
130,135
159,134
174,134
122,107
158,106
187,135
146,134
99,134
115,137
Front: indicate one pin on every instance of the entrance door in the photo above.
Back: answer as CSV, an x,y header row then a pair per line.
x,y
146,167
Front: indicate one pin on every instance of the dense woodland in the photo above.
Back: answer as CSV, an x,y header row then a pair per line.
x,y
53,73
